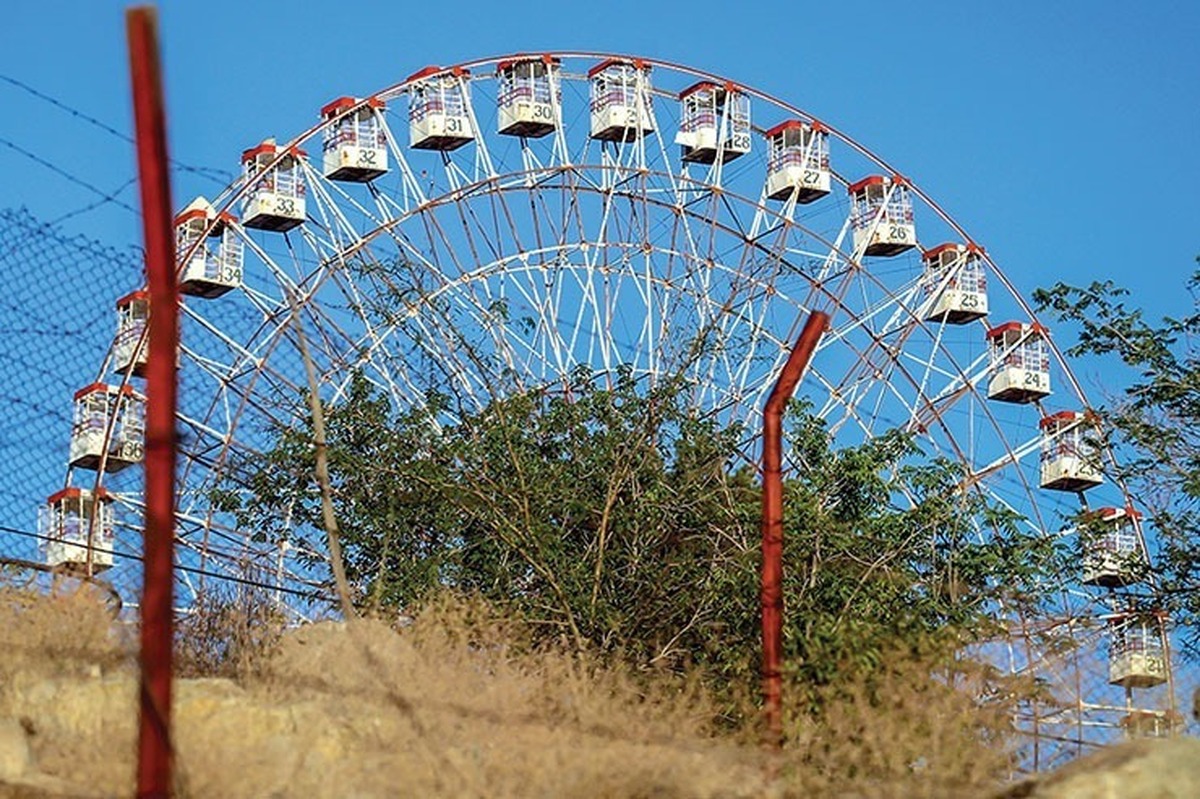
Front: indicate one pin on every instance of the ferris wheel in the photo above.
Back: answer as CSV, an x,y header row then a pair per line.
x,y
491,227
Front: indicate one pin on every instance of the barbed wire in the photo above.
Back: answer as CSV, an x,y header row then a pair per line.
x,y
220,176
95,205
106,197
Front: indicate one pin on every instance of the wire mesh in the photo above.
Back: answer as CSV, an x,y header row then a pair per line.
x,y
56,323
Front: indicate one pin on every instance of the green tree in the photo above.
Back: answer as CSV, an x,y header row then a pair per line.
x,y
607,515
1154,422
885,551
613,517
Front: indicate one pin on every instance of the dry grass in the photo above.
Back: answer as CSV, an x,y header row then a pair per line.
x,y
909,731
458,703
68,633
228,635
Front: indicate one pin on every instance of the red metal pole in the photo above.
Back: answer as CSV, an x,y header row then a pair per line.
x,y
154,737
772,520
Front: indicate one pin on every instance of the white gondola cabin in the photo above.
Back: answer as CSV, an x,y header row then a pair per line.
x,y
209,251
620,100
74,525
129,349
1137,657
107,419
275,197
881,215
955,284
439,109
1112,556
1020,363
1070,460
529,96
714,123
798,161
354,145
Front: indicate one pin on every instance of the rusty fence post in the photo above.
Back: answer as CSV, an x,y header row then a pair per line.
x,y
154,730
772,521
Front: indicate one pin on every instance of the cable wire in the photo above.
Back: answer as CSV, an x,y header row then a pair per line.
x,y
219,176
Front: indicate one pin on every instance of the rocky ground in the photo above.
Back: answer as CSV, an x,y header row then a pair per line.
x,y
1148,769
452,709
362,710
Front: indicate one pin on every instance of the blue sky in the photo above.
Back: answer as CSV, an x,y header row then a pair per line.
x,y
1063,135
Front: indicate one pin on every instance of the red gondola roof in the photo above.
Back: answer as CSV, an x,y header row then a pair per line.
x,y
94,388
707,84
190,213
545,58
1000,330
333,107
132,297
870,180
269,148
434,69
202,213
1061,416
72,492
796,124
617,62
970,247
876,180
1112,513
934,252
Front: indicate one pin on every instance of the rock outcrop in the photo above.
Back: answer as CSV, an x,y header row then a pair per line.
x,y
1146,769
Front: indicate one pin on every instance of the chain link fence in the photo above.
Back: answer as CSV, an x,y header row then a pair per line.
x,y
68,329
57,317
